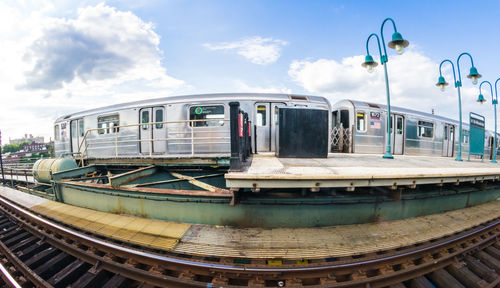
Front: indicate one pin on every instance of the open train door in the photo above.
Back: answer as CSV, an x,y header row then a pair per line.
x,y
397,133
77,133
448,140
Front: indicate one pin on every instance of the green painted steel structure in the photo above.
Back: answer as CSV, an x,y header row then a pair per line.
x,y
271,211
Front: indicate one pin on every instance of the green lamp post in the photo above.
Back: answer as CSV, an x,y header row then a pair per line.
x,y
397,43
494,101
473,75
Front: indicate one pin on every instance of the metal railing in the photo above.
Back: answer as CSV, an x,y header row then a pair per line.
x,y
16,174
187,126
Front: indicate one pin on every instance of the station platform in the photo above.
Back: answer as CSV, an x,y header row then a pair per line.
x,y
358,170
259,243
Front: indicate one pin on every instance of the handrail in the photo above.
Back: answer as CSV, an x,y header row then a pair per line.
x,y
87,141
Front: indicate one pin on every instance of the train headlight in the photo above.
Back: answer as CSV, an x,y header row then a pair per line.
x,y
442,83
474,75
398,43
369,64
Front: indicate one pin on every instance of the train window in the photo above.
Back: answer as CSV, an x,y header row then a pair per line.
x,y
57,136
145,119
399,125
73,129
159,118
465,137
361,121
261,115
445,132
106,124
425,129
81,128
334,118
344,118
213,114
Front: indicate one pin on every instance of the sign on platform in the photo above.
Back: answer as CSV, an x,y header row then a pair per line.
x,y
476,141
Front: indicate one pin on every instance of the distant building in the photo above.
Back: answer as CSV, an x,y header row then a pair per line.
x,y
34,147
38,139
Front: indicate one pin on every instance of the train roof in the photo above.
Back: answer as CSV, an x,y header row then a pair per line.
x,y
198,97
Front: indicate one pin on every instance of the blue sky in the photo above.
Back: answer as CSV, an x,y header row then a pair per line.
x,y
65,56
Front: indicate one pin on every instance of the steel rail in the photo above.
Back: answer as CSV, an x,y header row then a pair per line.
x,y
237,268
20,266
8,278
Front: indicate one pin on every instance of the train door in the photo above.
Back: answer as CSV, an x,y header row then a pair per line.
x,y
491,146
448,138
152,131
397,134
77,134
266,120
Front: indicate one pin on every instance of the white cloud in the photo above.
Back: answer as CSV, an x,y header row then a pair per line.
x,y
258,50
412,78
102,43
54,66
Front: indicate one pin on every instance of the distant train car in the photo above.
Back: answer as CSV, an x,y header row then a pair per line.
x,y
412,132
194,125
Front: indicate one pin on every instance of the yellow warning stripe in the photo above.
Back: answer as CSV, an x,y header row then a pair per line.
x,y
150,233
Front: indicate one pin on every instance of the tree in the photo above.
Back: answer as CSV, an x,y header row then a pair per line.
x,y
11,148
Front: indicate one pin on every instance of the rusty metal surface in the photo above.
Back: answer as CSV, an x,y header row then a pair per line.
x,y
221,193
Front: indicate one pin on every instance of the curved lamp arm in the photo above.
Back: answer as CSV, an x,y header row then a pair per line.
x,y
459,83
496,94
491,88
378,42
452,68
385,58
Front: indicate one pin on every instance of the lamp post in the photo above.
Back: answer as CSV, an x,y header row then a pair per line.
x,y
494,101
397,43
473,75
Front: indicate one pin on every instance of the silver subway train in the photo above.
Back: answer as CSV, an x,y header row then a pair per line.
x,y
412,132
198,126
181,126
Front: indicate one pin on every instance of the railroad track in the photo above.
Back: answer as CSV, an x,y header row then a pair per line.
x,y
39,253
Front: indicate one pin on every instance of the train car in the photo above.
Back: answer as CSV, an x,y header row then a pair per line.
x,y
412,132
193,125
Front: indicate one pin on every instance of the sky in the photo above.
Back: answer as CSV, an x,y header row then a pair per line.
x,y
58,57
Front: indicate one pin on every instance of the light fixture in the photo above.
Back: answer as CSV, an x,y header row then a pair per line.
x,y
481,99
398,43
369,64
442,83
473,75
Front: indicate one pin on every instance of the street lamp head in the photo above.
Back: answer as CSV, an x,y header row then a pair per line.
x,y
473,75
398,43
442,83
481,99
369,64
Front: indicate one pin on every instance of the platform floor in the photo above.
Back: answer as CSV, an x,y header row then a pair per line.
x,y
343,170
282,243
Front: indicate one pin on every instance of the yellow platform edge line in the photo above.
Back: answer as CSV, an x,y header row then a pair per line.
x,y
151,233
